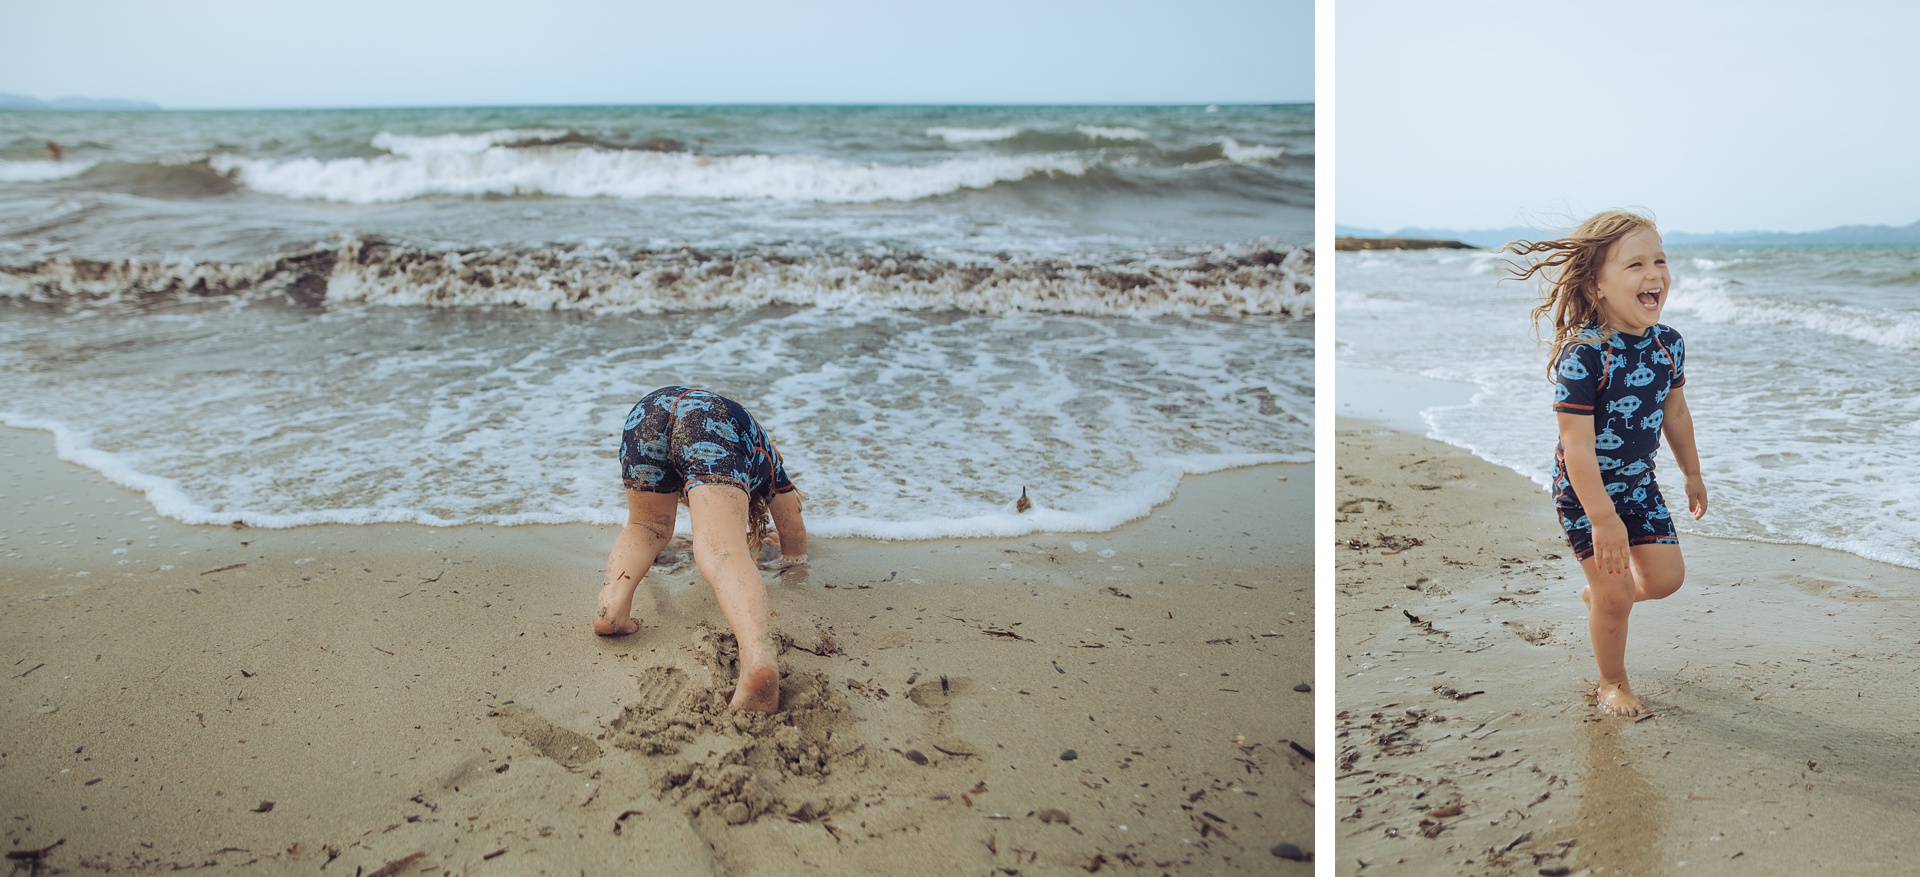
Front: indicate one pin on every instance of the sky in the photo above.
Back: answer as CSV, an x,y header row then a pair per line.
x,y
362,53
1716,116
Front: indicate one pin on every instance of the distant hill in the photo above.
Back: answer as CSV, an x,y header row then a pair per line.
x,y
22,102
1494,237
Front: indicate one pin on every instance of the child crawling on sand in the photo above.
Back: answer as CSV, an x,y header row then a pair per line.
x,y
1618,375
695,446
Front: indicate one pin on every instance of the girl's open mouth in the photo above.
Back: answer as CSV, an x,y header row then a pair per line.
x,y
1650,299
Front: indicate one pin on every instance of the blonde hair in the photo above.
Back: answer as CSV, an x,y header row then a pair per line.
x,y
759,519
1569,276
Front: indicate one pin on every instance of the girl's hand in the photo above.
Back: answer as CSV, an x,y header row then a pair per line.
x,y
1697,497
1610,549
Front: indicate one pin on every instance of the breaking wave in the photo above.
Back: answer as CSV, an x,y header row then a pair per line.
x,y
1250,281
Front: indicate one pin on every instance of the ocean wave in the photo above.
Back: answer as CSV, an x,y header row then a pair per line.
x,y
1103,133
973,135
463,144
1709,299
599,173
1249,153
1249,281
196,179
41,171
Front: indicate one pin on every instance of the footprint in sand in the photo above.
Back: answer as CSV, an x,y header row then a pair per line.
x,y
570,748
1538,635
936,696
660,688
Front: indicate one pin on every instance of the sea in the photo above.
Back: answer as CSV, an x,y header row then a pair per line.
x,y
442,316
1800,377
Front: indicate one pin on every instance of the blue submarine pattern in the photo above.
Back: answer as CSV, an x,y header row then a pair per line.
x,y
1613,381
677,437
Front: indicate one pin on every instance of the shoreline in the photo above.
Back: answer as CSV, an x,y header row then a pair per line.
x,y
267,699
1467,738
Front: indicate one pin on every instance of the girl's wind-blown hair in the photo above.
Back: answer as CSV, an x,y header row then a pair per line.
x,y
1570,273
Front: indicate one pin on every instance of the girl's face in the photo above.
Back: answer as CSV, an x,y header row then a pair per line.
x,y
1633,283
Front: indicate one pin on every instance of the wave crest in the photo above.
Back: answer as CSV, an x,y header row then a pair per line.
x,y
1251,281
463,168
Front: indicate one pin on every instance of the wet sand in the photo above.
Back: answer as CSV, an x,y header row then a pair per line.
x,y
409,700
1782,680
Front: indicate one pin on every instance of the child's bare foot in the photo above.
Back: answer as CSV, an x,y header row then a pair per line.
x,y
758,690
1618,699
606,623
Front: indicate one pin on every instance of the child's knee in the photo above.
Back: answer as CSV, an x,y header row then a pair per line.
x,y
1664,583
1606,600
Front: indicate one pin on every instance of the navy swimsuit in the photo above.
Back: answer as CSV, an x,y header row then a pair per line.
x,y
677,437
1623,384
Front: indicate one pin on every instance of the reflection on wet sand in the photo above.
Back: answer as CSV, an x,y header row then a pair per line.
x,y
1621,814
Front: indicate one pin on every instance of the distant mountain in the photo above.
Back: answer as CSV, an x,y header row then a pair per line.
x,y
1494,237
22,102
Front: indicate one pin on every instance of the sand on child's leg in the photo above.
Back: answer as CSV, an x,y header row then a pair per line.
x,y
719,513
649,527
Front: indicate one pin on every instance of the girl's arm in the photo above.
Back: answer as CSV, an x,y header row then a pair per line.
x,y
1583,470
1678,426
789,525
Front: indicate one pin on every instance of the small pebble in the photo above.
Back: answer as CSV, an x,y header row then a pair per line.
x,y
1051,815
735,814
915,756
1555,871
1069,755
1303,687
1289,852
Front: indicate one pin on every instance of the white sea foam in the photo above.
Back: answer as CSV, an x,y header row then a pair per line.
x,y
1249,153
898,425
599,281
1710,299
1104,133
41,171
973,135
458,144
596,173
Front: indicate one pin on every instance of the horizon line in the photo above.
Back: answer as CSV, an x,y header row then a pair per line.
x,y
158,108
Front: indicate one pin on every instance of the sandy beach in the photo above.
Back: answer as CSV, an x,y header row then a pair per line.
x,y
1781,676
398,699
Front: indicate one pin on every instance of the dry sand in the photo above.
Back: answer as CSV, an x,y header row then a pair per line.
x,y
410,700
1783,679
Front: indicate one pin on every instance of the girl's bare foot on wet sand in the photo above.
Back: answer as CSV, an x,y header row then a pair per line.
x,y
1617,698
606,622
758,689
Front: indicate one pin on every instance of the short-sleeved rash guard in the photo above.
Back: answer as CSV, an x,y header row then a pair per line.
x,y
1623,383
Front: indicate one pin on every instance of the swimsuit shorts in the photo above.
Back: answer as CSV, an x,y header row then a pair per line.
x,y
678,437
1644,512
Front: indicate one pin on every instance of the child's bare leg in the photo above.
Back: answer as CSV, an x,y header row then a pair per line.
x,y
649,527
1658,571
720,549
1609,598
